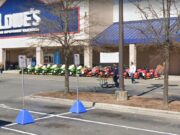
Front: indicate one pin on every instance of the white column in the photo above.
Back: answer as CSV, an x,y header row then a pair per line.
x,y
88,56
132,54
39,56
3,57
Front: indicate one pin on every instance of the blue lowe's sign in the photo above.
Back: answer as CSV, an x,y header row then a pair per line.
x,y
22,17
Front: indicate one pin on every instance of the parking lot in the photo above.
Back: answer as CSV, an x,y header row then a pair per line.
x,y
10,86
55,119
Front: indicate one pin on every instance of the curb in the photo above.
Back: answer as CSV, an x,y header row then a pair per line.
x,y
111,107
56,100
139,110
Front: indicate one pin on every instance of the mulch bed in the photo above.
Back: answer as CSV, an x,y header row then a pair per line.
x,y
134,101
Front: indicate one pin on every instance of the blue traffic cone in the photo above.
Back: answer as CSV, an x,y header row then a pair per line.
x,y
78,107
24,117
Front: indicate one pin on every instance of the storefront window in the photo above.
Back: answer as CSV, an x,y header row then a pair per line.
x,y
49,59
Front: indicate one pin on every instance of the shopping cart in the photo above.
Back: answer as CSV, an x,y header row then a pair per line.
x,y
103,81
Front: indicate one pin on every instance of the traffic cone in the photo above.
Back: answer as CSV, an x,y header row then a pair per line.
x,y
24,117
78,107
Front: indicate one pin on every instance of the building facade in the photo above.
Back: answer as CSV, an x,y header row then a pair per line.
x,y
139,46
94,21
20,18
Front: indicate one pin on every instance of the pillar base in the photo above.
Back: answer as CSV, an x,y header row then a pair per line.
x,y
121,95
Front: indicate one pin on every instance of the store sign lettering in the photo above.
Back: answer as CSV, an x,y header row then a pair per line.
x,y
20,22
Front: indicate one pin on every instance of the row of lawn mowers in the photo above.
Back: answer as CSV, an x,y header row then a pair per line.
x,y
142,74
96,71
50,70
72,69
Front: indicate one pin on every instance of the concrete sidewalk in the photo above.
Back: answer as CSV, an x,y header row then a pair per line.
x,y
111,107
174,78
11,71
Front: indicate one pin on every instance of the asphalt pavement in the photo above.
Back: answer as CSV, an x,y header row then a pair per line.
x,y
55,119
11,86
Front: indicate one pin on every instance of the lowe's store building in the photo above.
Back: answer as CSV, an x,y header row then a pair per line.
x,y
20,22
20,18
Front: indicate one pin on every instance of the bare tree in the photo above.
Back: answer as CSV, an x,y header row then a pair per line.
x,y
63,28
164,33
62,34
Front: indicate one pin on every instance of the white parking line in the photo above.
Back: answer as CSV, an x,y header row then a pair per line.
x,y
16,109
115,125
23,132
27,133
46,117
18,131
61,114
9,125
2,105
6,127
35,112
75,119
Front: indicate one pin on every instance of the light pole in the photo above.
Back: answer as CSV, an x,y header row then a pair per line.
x,y
121,44
121,94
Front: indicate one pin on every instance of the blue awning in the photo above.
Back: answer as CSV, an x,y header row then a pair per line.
x,y
137,32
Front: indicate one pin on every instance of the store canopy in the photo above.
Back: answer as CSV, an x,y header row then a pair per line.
x,y
138,32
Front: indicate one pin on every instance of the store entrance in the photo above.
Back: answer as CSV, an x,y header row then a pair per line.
x,y
12,57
